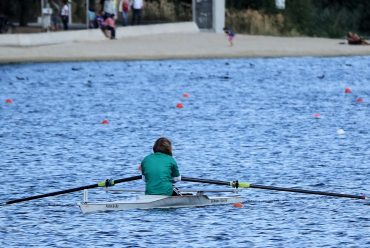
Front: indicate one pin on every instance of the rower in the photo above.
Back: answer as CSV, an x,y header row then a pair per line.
x,y
159,170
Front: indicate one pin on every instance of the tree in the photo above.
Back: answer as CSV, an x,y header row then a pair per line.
x,y
24,8
300,15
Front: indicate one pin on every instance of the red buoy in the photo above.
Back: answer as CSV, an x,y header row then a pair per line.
x,y
105,122
347,90
360,100
238,205
186,95
316,115
9,100
179,105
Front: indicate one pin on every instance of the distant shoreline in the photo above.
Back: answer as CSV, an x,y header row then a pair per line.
x,y
34,60
176,44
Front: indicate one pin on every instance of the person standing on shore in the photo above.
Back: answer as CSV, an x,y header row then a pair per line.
x,y
55,16
92,17
110,8
64,14
160,170
124,7
136,6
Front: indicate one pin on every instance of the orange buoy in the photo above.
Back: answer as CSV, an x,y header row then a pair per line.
x,y
179,105
105,122
360,100
9,100
347,90
186,95
238,205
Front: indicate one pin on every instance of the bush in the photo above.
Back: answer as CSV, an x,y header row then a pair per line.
x,y
166,11
324,18
254,22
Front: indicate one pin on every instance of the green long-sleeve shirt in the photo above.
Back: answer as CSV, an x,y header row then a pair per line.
x,y
159,170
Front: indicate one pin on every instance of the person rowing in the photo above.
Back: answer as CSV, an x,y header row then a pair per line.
x,y
160,170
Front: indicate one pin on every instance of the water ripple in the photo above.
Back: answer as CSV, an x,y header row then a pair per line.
x,y
246,119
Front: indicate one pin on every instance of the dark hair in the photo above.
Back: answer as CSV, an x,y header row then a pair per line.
x,y
163,145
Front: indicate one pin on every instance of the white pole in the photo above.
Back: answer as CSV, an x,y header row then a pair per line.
x,y
86,196
42,12
218,15
70,12
280,4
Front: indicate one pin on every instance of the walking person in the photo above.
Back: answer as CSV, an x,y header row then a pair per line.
x,y
64,14
160,170
124,7
230,35
136,6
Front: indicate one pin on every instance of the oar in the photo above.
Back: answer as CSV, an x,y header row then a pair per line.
x,y
105,183
237,184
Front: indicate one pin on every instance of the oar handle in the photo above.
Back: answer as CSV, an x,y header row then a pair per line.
x,y
234,184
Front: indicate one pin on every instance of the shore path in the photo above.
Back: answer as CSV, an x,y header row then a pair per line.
x,y
180,46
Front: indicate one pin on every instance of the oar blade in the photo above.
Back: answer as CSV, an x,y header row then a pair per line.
x,y
51,194
101,184
305,191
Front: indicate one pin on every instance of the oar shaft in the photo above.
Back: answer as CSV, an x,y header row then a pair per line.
x,y
258,186
70,190
305,191
199,180
128,179
52,194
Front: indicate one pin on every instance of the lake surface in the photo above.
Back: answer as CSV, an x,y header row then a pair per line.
x,y
268,121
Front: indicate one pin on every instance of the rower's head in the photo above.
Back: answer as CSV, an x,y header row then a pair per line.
x,y
163,145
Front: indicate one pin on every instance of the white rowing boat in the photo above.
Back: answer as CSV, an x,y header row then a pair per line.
x,y
158,201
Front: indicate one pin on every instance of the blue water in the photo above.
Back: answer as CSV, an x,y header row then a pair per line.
x,y
246,119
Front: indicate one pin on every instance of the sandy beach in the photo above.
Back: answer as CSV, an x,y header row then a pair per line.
x,y
178,45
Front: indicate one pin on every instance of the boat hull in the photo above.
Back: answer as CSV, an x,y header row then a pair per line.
x,y
156,201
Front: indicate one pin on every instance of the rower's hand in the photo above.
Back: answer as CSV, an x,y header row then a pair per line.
x,y
106,183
